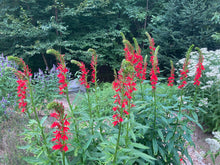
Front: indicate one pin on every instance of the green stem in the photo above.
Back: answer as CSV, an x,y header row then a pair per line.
x,y
117,144
126,137
180,106
36,116
90,112
194,99
97,105
155,108
74,118
142,93
63,155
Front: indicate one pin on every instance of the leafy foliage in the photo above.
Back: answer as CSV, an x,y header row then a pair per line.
x,y
28,28
183,23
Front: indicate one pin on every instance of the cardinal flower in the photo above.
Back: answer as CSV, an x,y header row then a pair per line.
x,y
124,86
171,78
199,69
61,124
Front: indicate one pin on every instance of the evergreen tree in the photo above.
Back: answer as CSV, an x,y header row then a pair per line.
x,y
183,23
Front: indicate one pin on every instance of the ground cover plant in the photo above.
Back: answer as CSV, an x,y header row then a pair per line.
x,y
140,121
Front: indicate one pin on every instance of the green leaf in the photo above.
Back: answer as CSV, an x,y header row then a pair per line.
x,y
88,143
139,145
160,134
24,147
43,120
170,147
144,156
163,154
34,160
155,146
169,135
133,135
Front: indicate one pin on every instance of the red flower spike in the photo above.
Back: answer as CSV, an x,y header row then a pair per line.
x,y
62,129
171,78
199,69
124,86
83,78
93,67
185,70
22,85
62,77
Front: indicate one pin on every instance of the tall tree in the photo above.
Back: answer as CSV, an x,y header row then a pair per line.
x,y
183,23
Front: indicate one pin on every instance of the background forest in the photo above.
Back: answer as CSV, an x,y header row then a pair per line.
x,y
29,27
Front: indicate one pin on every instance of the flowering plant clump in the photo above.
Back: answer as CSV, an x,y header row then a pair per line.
x,y
210,61
61,124
146,128
209,85
214,146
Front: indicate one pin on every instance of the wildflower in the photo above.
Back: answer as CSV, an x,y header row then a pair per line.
x,y
136,59
93,65
199,69
154,62
23,77
84,73
61,124
21,91
185,70
62,77
214,144
171,78
154,70
61,68
124,85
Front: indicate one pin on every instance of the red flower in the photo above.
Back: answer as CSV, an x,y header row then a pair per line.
x,y
65,148
93,67
83,78
183,72
62,77
154,71
171,78
124,86
136,60
199,69
62,129
22,85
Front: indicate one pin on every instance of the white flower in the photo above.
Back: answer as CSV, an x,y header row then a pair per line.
x,y
214,144
216,135
203,102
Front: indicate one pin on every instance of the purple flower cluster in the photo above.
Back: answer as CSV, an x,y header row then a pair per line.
x,y
7,90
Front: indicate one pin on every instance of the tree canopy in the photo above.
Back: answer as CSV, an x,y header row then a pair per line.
x,y
29,27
